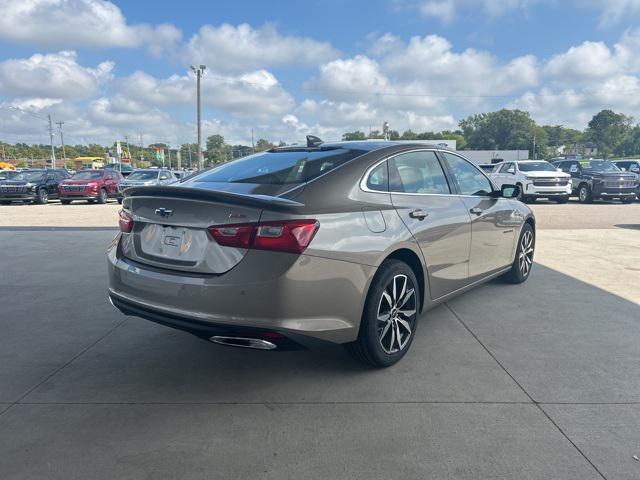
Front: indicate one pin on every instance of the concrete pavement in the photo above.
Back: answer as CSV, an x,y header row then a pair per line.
x,y
535,381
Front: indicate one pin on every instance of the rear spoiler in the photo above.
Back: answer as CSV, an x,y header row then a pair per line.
x,y
260,201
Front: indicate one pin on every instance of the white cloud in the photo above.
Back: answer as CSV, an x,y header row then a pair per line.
x,y
441,71
444,10
56,75
614,11
255,94
75,23
229,48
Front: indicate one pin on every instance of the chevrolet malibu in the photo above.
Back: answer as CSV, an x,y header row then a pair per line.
x,y
328,243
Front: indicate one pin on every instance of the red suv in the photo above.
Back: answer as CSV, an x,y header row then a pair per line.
x,y
90,185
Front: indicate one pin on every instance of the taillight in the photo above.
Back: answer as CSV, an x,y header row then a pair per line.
x,y
292,236
125,221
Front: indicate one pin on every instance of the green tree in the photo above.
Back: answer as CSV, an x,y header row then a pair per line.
x,y
351,136
217,150
630,145
262,145
501,130
608,130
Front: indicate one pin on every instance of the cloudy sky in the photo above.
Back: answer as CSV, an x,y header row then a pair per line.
x,y
289,68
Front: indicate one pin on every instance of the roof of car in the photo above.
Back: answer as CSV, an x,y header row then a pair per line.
x,y
366,145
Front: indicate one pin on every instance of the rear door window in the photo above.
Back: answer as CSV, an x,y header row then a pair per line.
x,y
418,172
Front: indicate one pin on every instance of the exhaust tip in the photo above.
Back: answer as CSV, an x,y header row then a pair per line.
x,y
243,342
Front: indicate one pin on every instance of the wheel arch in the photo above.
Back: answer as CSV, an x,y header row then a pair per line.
x,y
414,262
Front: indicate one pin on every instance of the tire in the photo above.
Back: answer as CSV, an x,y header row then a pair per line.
x,y
627,201
4,202
43,197
523,263
584,193
377,344
521,196
103,197
65,202
564,199
119,200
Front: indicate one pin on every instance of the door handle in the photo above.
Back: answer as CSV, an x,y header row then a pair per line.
x,y
476,211
419,214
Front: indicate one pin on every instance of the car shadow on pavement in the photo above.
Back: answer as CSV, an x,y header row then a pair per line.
x,y
631,226
554,333
123,395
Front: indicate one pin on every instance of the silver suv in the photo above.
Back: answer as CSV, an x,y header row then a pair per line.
x,y
146,177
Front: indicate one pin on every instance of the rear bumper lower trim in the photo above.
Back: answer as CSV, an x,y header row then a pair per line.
x,y
206,330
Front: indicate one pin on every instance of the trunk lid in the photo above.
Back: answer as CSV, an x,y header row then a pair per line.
x,y
171,226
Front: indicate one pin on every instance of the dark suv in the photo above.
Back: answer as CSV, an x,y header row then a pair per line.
x,y
36,186
90,185
594,179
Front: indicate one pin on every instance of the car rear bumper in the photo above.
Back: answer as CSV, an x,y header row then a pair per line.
x,y
309,300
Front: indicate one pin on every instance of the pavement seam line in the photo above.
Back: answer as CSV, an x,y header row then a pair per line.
x,y
562,432
62,367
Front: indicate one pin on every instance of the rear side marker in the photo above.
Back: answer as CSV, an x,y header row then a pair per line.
x,y
293,236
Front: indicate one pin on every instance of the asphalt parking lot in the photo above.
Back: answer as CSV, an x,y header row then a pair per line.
x,y
535,381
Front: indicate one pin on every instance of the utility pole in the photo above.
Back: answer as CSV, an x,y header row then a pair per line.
x,y
64,154
53,152
189,150
253,145
141,154
199,71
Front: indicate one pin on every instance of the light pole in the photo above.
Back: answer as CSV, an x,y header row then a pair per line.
x,y
64,154
199,70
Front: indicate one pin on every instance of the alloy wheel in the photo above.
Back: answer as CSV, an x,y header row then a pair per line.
x,y
396,314
525,258
583,194
44,196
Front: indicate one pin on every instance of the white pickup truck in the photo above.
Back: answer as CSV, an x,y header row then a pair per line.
x,y
536,179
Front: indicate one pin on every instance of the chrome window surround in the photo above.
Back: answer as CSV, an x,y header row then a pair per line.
x,y
365,177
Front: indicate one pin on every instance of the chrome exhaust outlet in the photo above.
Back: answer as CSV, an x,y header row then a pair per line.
x,y
242,342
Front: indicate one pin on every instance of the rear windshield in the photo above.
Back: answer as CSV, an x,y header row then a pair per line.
x,y
276,171
536,167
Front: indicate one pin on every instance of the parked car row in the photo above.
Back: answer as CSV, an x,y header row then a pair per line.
x,y
93,186
558,181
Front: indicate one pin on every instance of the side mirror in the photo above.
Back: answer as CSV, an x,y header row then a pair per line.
x,y
509,191
623,169
558,170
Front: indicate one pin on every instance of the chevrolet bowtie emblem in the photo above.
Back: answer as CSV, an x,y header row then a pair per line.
x,y
164,212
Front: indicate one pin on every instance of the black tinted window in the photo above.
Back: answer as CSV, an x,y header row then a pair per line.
x,y
282,167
